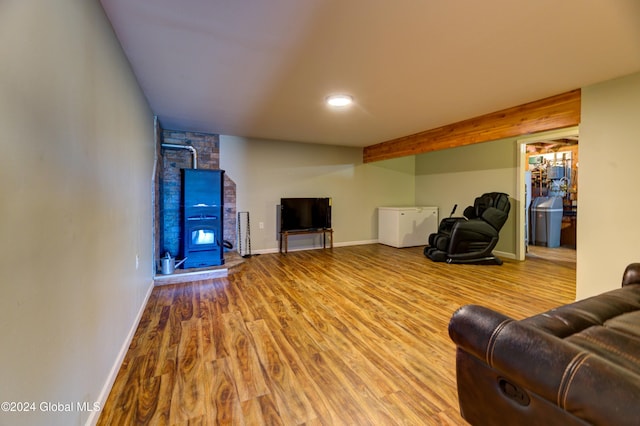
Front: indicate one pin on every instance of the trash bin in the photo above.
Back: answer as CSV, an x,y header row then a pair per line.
x,y
546,221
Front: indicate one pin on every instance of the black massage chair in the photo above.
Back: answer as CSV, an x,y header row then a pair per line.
x,y
471,239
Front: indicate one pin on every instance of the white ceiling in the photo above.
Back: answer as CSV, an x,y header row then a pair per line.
x,y
262,68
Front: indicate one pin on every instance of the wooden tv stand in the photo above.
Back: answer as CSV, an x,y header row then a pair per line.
x,y
284,236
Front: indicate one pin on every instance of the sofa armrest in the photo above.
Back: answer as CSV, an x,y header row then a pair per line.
x,y
529,356
547,366
471,328
631,274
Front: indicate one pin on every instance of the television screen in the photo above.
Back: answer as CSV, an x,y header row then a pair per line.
x,y
305,213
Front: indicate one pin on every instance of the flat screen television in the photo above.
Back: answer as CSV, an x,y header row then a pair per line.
x,y
299,214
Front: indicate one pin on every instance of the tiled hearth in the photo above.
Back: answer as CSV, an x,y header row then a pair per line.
x,y
232,261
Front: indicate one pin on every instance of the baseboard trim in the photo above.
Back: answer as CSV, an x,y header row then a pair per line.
x,y
186,277
340,244
505,254
111,378
355,243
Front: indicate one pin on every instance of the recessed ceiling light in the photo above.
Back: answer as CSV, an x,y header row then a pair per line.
x,y
339,100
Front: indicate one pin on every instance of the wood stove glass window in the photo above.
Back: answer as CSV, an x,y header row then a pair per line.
x,y
201,237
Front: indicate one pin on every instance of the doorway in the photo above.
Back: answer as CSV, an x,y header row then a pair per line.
x,y
552,160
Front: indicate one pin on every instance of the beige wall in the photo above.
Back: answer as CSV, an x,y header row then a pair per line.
x,y
75,205
265,171
608,176
457,176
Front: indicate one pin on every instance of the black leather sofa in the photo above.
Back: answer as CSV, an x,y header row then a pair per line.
x,y
574,365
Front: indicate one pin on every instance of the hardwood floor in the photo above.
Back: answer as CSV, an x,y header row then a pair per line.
x,y
558,254
349,336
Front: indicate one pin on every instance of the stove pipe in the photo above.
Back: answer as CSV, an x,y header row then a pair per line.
x,y
188,147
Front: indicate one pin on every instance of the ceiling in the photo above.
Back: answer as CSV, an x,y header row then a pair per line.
x,y
262,69
554,145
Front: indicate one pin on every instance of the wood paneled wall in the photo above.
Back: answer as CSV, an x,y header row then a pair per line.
x,y
551,113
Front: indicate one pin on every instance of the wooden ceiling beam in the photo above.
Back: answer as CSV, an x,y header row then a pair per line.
x,y
555,112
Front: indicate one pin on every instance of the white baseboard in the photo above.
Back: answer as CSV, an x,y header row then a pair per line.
x,y
355,243
111,378
341,244
505,254
265,251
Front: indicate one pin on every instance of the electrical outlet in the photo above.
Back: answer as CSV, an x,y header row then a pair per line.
x,y
137,261
261,225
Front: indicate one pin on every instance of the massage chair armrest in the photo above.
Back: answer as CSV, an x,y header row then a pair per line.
x,y
471,239
473,230
447,224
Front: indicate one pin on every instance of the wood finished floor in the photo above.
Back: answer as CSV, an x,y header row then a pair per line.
x,y
350,336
